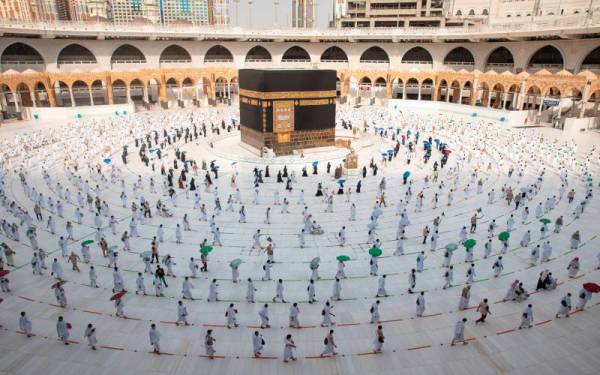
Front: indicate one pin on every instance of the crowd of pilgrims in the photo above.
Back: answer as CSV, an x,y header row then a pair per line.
x,y
404,137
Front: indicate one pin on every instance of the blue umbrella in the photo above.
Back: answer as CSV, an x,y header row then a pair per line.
x,y
406,174
315,163
107,160
153,149
341,181
390,152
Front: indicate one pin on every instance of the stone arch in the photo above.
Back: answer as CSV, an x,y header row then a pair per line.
x,y
218,53
442,90
533,93
427,89
365,86
62,94
119,92
466,93
127,54
258,54
81,93
547,57
417,55
553,92
221,88
334,54
459,56
375,54
455,89
24,95
98,92
41,95
512,96
20,56
412,89
591,60
137,91
174,54
173,89
75,54
500,58
295,54
483,95
497,96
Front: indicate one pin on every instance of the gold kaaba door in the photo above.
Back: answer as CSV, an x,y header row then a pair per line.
x,y
284,137
283,116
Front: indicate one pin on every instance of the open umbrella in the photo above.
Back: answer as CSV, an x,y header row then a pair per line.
x,y
4,273
545,221
375,251
503,236
235,263
87,242
146,255
341,181
451,247
315,163
117,296
406,174
447,151
591,287
314,263
343,258
469,244
57,284
107,161
206,249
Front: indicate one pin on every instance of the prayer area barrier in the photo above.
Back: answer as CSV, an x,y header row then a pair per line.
x,y
47,114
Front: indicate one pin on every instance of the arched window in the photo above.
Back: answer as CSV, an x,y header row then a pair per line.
x,y
295,54
374,55
218,53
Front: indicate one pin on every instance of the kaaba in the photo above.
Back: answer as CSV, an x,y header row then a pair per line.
x,y
287,110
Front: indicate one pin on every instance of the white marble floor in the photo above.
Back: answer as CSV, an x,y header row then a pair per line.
x,y
412,344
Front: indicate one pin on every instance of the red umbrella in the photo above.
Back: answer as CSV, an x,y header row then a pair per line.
x,y
4,273
447,151
117,296
56,285
591,287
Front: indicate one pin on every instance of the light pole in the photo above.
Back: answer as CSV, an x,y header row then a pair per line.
x,y
275,6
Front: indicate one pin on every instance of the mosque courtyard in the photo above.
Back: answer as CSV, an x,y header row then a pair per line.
x,y
74,173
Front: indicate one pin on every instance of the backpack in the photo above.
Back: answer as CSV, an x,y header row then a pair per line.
x,y
325,341
323,312
372,309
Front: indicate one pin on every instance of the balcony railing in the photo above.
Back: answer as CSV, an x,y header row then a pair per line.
x,y
555,25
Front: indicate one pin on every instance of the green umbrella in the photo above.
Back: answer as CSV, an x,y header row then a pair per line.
x,y
375,251
314,263
87,242
469,244
451,247
504,236
545,221
146,255
235,263
206,249
343,258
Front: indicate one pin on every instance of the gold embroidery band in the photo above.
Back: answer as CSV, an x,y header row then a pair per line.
x,y
287,94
